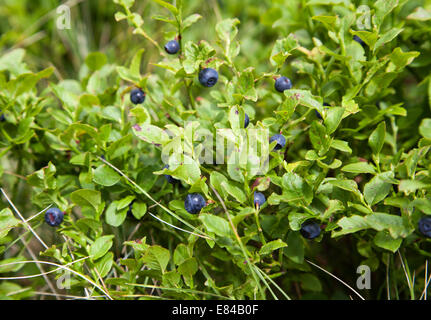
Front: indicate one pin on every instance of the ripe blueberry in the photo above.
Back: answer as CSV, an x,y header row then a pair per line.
x,y
129,212
172,47
259,199
359,40
246,120
424,226
282,84
168,177
54,217
194,203
281,141
208,77
137,96
310,230
2,118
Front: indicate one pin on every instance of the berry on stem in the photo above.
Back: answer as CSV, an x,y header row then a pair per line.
x,y
259,199
208,77
359,40
310,230
424,226
54,217
194,203
283,83
281,141
172,47
137,96
246,120
168,177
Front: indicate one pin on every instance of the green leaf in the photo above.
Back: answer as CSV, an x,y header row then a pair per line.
x,y
215,224
378,188
319,138
188,267
125,3
401,59
104,265
115,217
295,247
396,225
310,282
96,60
105,176
420,14
139,209
151,134
359,167
157,258
341,145
7,222
282,50
234,191
190,20
100,247
168,6
377,138
333,118
14,265
409,186
272,246
227,30
86,197
350,225
384,240
296,189
216,180
425,126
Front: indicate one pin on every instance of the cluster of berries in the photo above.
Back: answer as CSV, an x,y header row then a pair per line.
x,y
194,202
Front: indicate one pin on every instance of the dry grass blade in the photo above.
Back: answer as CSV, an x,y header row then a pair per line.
x,y
68,269
23,220
201,234
335,277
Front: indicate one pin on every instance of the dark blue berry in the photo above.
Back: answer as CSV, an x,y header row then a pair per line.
x,y
194,203
54,217
172,47
281,141
168,177
282,84
259,199
208,77
2,118
359,40
129,212
137,96
310,230
246,120
424,226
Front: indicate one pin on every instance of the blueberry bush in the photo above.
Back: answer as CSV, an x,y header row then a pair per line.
x,y
104,191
